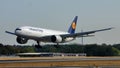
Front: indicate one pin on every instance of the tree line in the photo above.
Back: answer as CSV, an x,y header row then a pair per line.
x,y
89,49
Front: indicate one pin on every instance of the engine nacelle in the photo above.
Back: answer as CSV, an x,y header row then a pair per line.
x,y
21,40
56,38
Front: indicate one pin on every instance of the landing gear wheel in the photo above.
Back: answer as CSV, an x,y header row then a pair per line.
x,y
37,46
56,46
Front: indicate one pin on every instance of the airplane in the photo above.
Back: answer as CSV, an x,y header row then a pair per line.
x,y
26,33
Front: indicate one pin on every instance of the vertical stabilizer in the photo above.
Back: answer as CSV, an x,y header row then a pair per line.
x,y
73,26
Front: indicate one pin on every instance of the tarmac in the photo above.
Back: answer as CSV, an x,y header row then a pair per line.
x,y
61,62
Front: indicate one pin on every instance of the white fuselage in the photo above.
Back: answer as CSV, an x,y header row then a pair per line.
x,y
35,33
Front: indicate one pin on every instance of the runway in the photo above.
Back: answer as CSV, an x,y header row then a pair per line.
x,y
57,59
63,62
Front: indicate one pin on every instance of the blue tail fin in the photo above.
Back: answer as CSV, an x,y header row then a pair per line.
x,y
73,26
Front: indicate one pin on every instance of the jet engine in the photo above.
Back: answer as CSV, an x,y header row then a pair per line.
x,y
21,40
56,39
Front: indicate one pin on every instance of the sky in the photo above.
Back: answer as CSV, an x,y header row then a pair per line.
x,y
58,15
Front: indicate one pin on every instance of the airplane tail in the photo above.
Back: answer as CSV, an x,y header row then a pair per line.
x,y
73,26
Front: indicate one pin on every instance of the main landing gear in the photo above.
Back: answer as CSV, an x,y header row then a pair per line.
x,y
38,45
56,46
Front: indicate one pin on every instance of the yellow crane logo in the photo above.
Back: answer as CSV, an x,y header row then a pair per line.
x,y
73,25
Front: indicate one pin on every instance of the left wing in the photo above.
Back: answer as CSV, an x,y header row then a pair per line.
x,y
84,34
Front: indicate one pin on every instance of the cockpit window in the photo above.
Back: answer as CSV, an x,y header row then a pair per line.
x,y
18,29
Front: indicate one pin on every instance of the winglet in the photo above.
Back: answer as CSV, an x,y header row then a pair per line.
x,y
73,26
